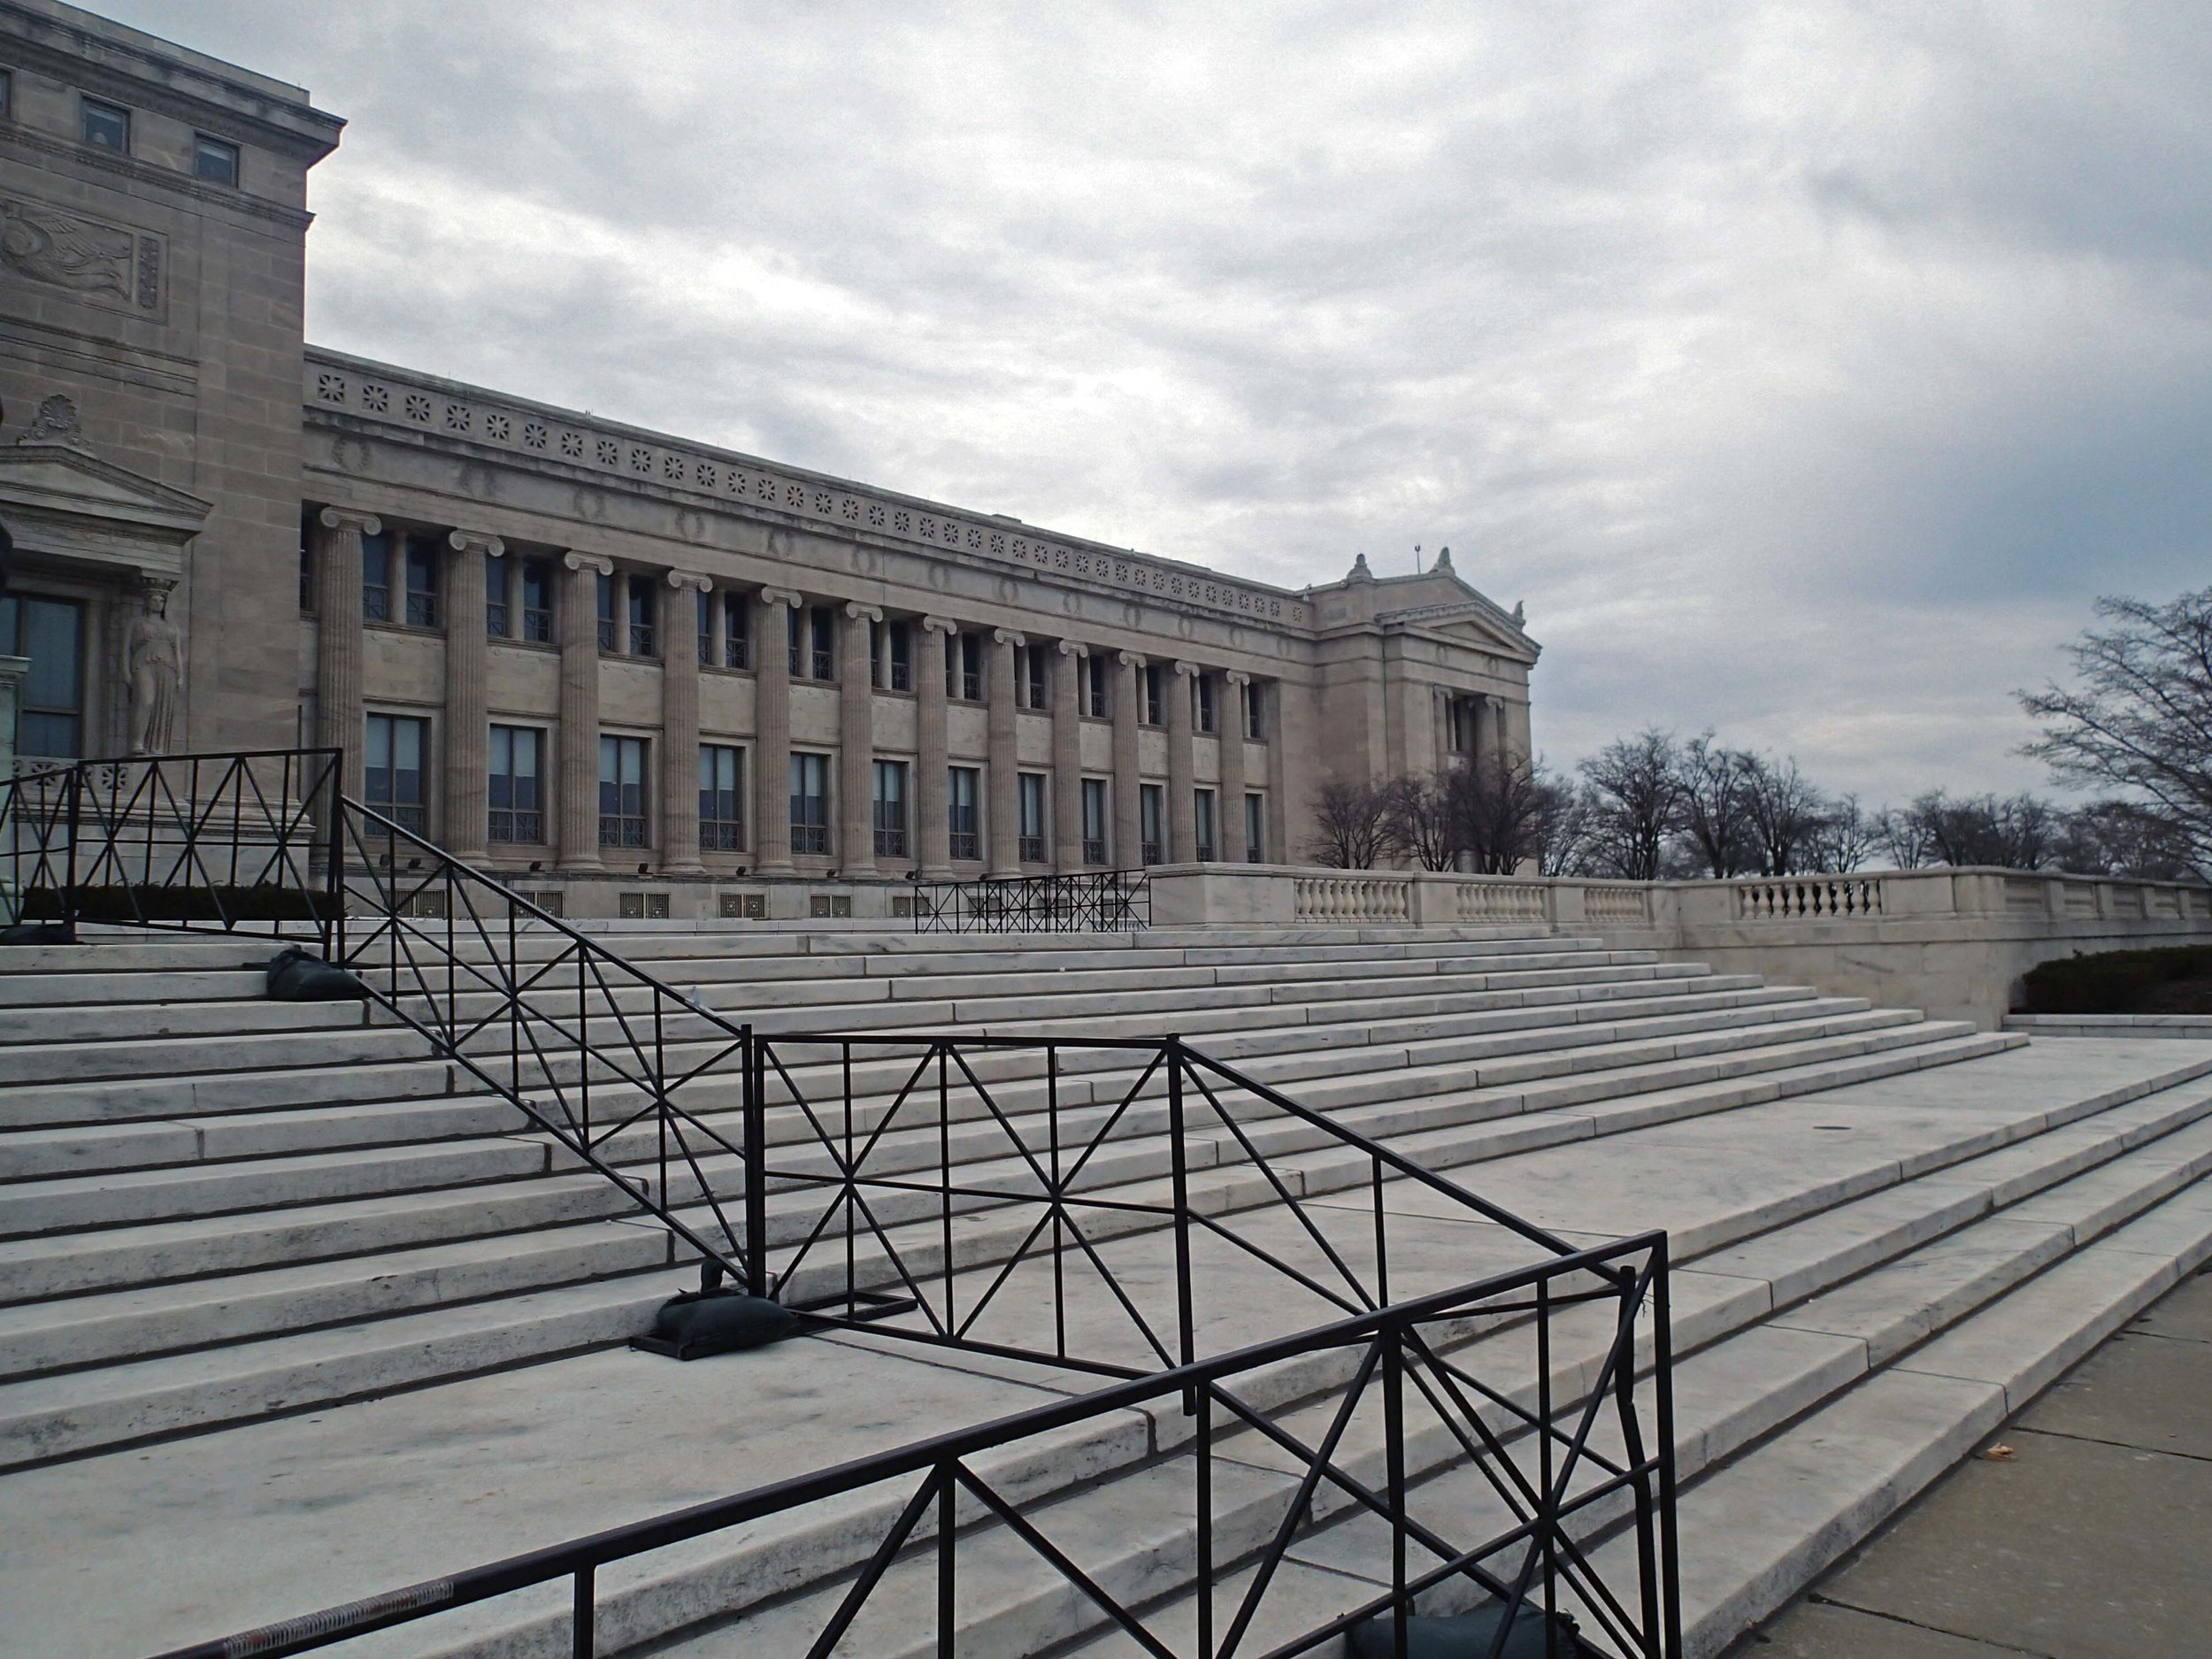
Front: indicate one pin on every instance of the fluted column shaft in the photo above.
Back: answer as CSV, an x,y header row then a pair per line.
x,y
933,827
772,732
1182,810
468,675
1128,780
1067,759
680,726
856,741
1229,843
1005,850
579,760
338,636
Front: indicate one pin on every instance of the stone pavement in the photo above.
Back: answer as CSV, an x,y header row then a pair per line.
x,y
2089,1540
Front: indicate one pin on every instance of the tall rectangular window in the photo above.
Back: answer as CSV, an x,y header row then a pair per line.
x,y
1154,709
737,632
810,803
622,801
962,785
499,574
376,578
214,159
1034,675
706,608
106,124
51,633
537,601
517,813
822,632
890,809
1203,825
7,94
1093,820
1151,804
1255,829
794,634
963,667
1029,798
608,634
392,768
1248,698
1099,677
422,581
721,798
1202,691
644,639
899,641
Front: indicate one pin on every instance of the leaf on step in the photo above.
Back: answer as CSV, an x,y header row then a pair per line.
x,y
2000,1454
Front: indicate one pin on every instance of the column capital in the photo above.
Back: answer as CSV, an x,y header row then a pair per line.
x,y
462,541
1009,636
680,580
940,625
859,612
1073,648
1190,670
1130,659
578,561
1238,677
348,518
788,596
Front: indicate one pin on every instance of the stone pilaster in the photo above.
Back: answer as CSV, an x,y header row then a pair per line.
x,y
680,726
772,731
338,534
932,828
1182,777
467,677
856,741
1128,848
1067,759
1005,849
1229,807
577,765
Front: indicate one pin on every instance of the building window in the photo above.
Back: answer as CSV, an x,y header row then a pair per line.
x,y
1249,700
498,583
1093,820
890,809
622,792
1154,708
214,160
721,798
891,667
963,667
1034,675
51,633
810,803
1097,674
737,632
1203,825
106,125
537,601
642,612
376,578
1201,692
822,628
795,637
961,789
1459,718
1029,799
422,582
307,565
706,627
1255,830
7,95
518,810
392,768
1151,802
606,594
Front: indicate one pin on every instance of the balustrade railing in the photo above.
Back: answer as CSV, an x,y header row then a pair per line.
x,y
1779,897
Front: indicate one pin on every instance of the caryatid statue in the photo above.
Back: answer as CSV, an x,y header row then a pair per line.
x,y
155,662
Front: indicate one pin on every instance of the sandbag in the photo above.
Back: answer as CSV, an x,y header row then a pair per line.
x,y
1469,1636
695,1324
297,977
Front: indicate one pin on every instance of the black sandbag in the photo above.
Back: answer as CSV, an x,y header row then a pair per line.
x,y
691,1324
1469,1636
38,933
297,977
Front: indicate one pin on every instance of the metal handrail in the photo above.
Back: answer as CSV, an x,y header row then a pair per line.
x,y
1079,902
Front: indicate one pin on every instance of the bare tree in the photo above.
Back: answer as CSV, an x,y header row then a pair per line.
x,y
1635,803
2017,834
2141,718
1565,842
1419,822
1782,810
1348,821
1846,838
1499,804
1713,805
1904,836
2122,837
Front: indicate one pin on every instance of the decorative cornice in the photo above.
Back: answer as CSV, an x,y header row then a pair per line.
x,y
781,596
1009,636
680,580
859,612
940,625
1131,659
161,178
1191,670
1237,677
1073,647
346,518
580,561
462,541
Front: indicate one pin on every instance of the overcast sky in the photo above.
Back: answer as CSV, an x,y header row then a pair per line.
x,y
1807,368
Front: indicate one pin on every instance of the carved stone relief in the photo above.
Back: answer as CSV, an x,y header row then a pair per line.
x,y
104,264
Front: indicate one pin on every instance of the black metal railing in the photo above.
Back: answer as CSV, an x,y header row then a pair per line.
x,y
1420,1443
1084,901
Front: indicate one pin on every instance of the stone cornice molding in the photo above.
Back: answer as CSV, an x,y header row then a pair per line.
x,y
576,561
348,518
462,541
940,625
1009,636
1131,659
1073,647
786,596
859,612
145,174
680,580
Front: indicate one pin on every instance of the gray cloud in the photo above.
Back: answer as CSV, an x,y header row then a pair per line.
x,y
1807,368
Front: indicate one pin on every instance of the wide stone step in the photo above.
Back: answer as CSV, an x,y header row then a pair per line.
x,y
147,1021
61,1062
191,984
116,1100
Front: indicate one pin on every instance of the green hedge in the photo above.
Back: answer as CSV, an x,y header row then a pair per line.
x,y
2113,982
117,903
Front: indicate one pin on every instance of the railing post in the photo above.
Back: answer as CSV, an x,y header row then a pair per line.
x,y
69,879
756,1159
334,858
1185,1314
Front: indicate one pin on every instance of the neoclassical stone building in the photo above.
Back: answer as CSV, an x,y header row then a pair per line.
x,y
637,671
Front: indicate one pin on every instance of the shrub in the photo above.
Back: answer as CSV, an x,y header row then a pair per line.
x,y
2110,981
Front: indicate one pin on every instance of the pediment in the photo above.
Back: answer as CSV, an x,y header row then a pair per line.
x,y
1473,621
43,480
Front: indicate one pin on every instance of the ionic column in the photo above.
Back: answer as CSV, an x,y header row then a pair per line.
x,y
1128,780
1229,802
1182,777
1067,759
680,727
772,733
338,636
856,739
1004,763
578,764
467,671
933,827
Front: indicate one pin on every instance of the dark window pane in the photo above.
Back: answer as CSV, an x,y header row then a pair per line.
x,y
214,160
107,125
